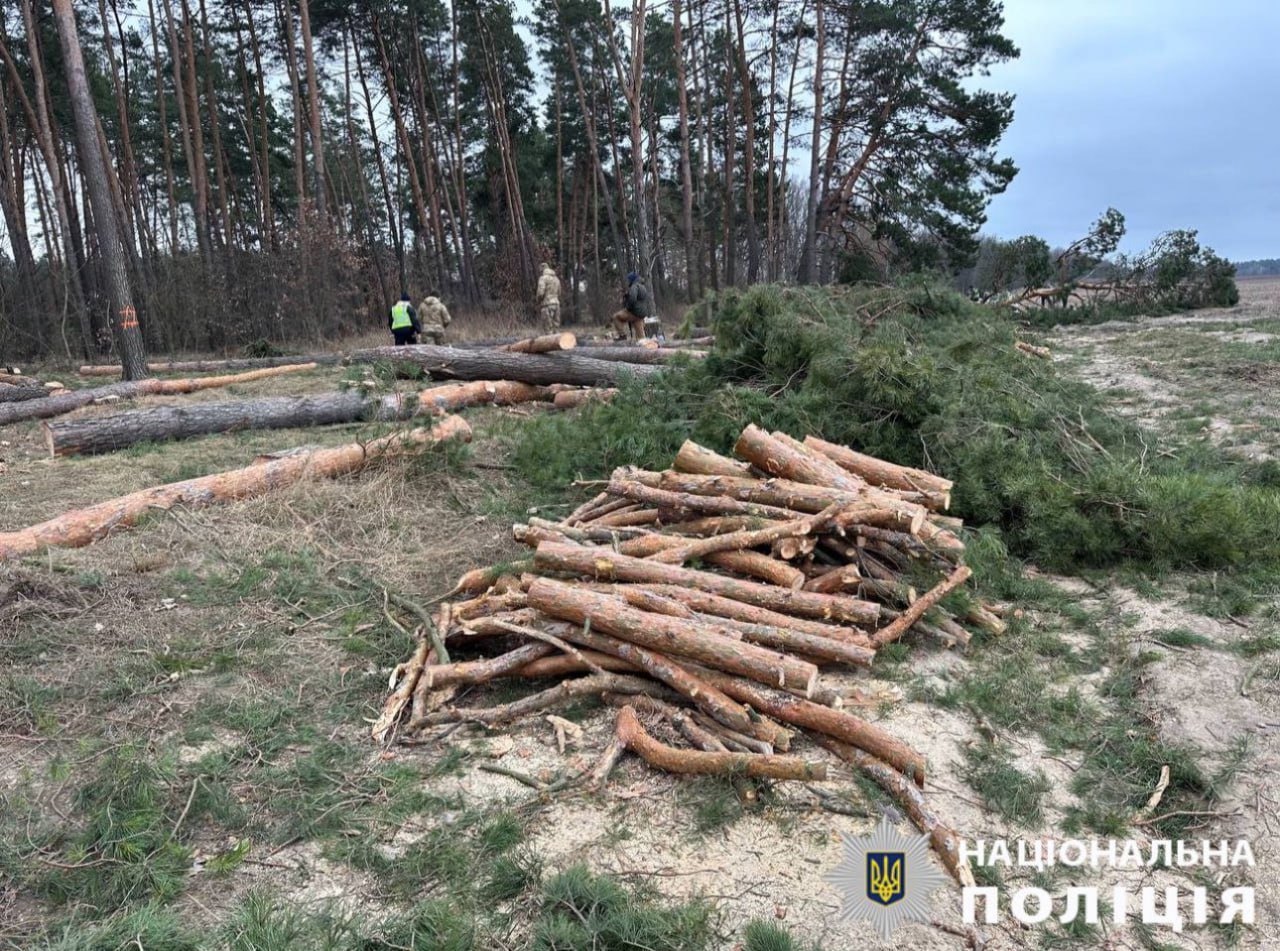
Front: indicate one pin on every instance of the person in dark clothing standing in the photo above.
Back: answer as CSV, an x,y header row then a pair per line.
x,y
403,322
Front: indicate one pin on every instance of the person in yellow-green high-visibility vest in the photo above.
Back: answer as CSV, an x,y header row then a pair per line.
x,y
403,322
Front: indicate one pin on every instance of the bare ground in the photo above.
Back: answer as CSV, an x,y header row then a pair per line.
x,y
244,647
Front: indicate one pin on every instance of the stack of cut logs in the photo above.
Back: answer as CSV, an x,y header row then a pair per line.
x,y
706,601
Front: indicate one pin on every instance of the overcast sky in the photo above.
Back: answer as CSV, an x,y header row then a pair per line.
x,y
1168,110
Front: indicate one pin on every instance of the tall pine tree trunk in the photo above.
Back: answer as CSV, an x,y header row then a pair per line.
x,y
806,271
313,101
128,337
61,194
691,254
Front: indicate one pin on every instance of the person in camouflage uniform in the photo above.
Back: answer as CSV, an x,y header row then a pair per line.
x,y
434,317
549,298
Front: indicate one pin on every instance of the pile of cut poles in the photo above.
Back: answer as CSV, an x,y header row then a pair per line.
x,y
707,602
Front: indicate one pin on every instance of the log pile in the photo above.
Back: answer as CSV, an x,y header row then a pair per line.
x,y
716,604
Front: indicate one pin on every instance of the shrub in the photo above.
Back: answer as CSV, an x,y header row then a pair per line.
x,y
924,377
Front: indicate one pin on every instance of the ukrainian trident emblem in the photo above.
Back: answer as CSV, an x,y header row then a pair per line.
x,y
885,878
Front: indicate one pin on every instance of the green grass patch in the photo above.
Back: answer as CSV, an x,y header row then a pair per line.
x,y
583,911
1007,790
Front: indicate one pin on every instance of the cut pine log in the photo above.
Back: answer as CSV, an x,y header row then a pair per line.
x,y
213,366
635,738
788,495
813,716
668,671
638,356
608,566
164,423
698,459
716,606
881,473
64,401
544,344
87,525
669,635
21,393
572,399
778,455
539,368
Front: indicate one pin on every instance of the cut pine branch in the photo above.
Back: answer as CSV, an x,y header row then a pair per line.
x,y
87,525
898,627
634,737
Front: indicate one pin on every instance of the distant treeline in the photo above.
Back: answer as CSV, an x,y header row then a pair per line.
x,y
1266,267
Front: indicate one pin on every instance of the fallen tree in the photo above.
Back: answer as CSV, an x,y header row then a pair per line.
x,y
11,393
539,368
87,525
64,401
643,355
164,423
213,366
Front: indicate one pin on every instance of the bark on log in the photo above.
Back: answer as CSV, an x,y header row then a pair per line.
x,y
669,635
572,399
884,474
695,458
543,344
945,840
608,566
826,649
561,664
538,368
21,394
681,502
64,401
789,495
703,739
163,423
779,456
488,668
638,356
717,607
635,738
209,366
87,525
812,716
735,541
670,672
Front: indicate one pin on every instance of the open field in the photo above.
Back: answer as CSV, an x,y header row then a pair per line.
x,y
183,714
